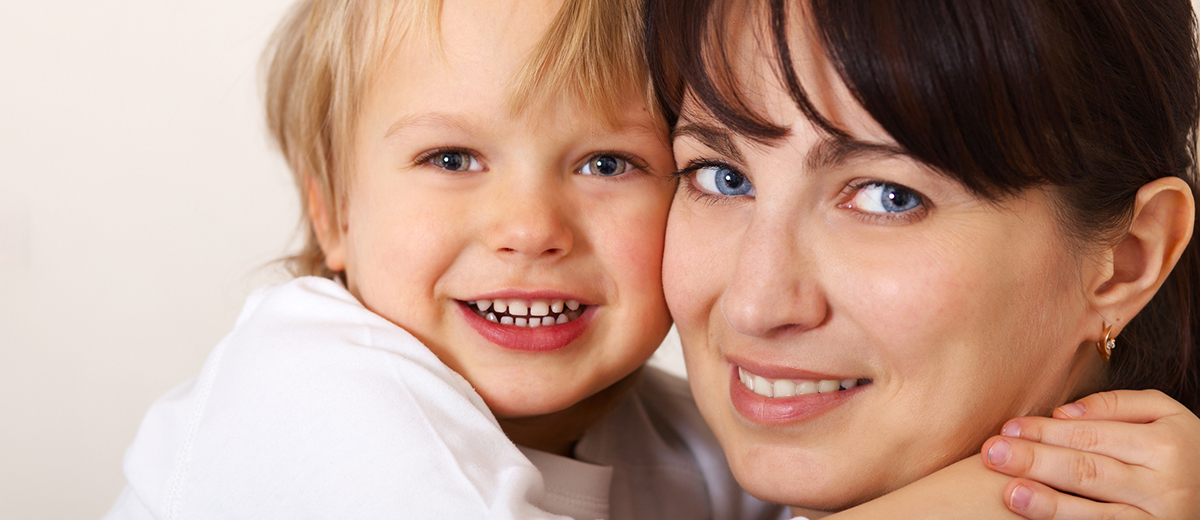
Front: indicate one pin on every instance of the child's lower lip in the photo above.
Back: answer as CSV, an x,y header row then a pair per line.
x,y
777,411
542,339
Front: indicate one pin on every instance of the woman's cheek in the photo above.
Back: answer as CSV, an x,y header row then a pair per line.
x,y
699,259
683,280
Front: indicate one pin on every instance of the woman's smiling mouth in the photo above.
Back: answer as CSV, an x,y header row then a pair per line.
x,y
781,388
771,401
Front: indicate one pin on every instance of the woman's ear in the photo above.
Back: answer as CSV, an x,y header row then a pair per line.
x,y
1132,271
325,226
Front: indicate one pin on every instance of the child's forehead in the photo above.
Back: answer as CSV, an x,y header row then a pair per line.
x,y
465,33
461,47
536,59
484,27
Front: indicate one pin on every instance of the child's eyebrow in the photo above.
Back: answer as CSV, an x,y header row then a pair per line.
x,y
428,119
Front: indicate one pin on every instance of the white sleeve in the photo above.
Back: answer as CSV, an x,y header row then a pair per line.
x,y
313,407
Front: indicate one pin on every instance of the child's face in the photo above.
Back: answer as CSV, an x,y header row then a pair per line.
x,y
453,200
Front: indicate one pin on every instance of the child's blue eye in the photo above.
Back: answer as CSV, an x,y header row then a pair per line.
x,y
722,180
605,166
455,161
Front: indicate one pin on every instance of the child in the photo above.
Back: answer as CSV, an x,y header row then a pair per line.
x,y
488,184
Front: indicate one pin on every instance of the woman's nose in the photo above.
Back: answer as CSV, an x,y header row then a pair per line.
x,y
530,220
775,288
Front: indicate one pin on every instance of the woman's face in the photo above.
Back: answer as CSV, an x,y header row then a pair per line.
x,y
921,315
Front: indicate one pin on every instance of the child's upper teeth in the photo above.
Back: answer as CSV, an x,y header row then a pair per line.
x,y
791,388
518,308
528,313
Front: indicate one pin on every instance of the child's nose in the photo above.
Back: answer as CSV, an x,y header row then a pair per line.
x,y
531,224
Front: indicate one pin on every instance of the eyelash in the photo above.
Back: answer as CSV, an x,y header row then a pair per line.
x,y
848,192
907,217
636,162
686,179
425,157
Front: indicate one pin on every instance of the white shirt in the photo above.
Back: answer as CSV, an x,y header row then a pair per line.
x,y
315,407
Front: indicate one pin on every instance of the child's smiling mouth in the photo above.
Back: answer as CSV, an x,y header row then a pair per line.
x,y
533,313
529,324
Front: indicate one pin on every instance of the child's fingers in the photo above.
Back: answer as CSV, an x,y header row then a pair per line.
x,y
1038,502
1086,474
1126,442
1132,406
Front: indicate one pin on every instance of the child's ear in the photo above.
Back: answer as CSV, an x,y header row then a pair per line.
x,y
327,229
1131,272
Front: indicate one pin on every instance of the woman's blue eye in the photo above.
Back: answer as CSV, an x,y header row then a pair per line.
x,y
885,197
605,166
455,161
720,180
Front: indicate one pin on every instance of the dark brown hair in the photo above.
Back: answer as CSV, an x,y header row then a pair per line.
x,y
1093,97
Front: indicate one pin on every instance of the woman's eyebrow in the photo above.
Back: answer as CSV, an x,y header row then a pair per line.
x,y
716,139
832,152
829,153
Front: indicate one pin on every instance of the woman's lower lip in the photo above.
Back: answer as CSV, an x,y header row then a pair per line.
x,y
777,411
541,339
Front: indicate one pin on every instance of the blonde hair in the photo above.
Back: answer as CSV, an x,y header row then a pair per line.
x,y
324,54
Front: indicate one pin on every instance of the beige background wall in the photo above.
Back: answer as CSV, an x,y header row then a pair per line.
x,y
139,204
138,197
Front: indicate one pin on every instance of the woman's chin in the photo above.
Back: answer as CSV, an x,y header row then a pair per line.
x,y
825,472
780,475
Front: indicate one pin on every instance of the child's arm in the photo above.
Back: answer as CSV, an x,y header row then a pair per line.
x,y
1126,454
965,489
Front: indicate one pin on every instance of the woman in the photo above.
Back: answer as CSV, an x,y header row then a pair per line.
x,y
900,224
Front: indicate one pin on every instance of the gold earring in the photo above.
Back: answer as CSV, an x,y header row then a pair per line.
x,y
1106,345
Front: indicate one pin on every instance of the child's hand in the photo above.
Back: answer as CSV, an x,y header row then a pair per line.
x,y
1126,454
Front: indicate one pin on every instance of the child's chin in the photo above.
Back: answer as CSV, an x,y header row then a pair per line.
x,y
581,403
507,403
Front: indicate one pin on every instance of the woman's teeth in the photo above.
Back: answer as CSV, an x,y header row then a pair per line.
x,y
528,313
792,387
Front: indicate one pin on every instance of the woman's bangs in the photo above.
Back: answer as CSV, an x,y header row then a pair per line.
x,y
953,89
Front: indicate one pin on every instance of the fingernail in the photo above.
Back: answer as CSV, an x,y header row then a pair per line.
x,y
1012,429
1073,410
1021,498
998,453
